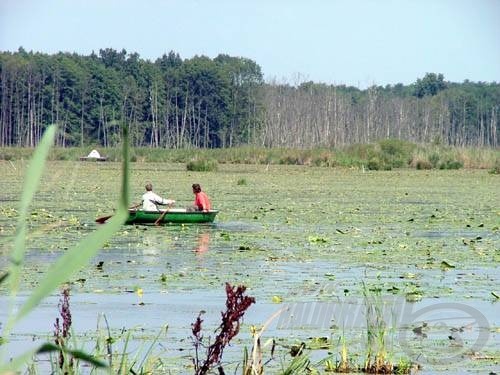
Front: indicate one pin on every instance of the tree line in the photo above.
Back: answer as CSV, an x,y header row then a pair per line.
x,y
224,102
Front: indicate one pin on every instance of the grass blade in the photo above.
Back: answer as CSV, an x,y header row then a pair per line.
x,y
12,367
123,361
77,354
150,350
31,182
77,257
4,277
72,261
16,363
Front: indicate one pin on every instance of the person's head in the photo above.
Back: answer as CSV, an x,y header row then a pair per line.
x,y
149,186
196,188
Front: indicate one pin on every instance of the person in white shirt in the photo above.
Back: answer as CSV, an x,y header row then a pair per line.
x,y
150,200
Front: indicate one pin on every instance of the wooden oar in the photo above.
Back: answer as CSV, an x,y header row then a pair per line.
x,y
158,221
102,220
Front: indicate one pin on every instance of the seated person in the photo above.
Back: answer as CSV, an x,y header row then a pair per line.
x,y
150,200
201,201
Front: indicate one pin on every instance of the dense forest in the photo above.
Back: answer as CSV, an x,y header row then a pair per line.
x,y
224,102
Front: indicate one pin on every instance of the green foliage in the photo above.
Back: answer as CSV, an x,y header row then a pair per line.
x,y
202,165
32,181
69,263
430,85
404,366
324,158
423,164
496,167
361,151
451,164
393,154
299,365
373,164
94,94
396,153
75,354
224,102
434,159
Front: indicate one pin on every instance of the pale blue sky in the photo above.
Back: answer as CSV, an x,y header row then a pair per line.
x,y
353,42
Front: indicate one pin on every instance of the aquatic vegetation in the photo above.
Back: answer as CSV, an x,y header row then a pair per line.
x,y
242,182
202,165
62,334
496,167
395,227
317,240
236,305
345,363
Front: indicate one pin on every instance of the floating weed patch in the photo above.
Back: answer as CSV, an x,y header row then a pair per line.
x,y
277,299
321,342
414,296
317,240
446,266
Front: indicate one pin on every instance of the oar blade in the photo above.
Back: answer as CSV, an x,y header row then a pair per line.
x,y
102,220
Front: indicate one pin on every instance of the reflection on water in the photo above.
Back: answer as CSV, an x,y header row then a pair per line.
x,y
203,242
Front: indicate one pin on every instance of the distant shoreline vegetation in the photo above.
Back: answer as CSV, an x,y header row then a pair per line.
x,y
383,155
224,102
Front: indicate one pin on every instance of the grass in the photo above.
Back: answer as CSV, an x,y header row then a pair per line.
x,y
202,165
110,351
383,155
496,167
377,355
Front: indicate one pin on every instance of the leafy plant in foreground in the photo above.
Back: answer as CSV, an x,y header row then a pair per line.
x,y
62,335
68,264
236,305
378,357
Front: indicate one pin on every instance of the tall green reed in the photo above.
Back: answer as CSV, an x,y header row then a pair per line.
x,y
66,265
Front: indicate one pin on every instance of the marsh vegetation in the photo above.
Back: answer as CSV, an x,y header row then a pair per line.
x,y
295,236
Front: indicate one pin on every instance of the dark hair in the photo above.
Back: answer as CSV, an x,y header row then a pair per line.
x,y
196,188
149,186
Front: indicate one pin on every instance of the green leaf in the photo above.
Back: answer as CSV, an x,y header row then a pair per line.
x,y
31,182
4,277
72,261
48,347
317,240
153,343
445,265
77,354
77,257
13,365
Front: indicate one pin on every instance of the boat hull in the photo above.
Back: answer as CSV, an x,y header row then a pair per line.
x,y
176,216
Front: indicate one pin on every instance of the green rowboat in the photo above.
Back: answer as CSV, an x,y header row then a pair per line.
x,y
173,215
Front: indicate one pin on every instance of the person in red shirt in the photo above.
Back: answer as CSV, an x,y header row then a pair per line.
x,y
201,200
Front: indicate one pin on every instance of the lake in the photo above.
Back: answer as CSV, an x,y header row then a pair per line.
x,y
312,242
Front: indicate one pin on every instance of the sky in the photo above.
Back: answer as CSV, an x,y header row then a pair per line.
x,y
352,42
